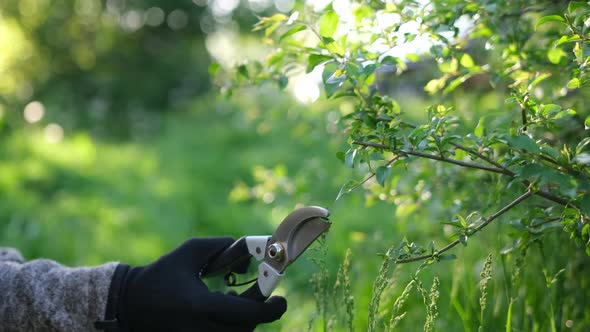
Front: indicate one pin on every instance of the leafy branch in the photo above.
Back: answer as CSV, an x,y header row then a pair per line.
x,y
436,254
499,169
431,156
373,174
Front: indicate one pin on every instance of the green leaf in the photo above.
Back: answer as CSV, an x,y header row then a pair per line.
x,y
332,46
524,142
455,83
282,82
580,147
587,123
316,59
275,58
550,110
479,128
346,188
462,220
575,5
463,239
585,204
270,22
567,112
583,158
539,79
412,57
568,39
565,184
328,24
555,54
382,173
453,223
467,61
550,18
214,69
332,88
573,84
449,67
389,60
243,71
578,53
349,157
291,32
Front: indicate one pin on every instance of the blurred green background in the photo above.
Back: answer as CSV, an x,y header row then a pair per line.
x,y
114,147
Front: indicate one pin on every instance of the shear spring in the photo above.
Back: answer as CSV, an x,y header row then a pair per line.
x,y
231,280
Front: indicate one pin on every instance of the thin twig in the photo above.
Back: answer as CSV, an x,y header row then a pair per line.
x,y
372,175
468,150
481,156
500,168
434,157
449,246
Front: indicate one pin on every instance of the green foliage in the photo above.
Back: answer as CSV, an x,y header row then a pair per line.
x,y
501,134
475,141
109,66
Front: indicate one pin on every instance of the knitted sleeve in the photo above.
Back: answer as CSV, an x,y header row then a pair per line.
x,y
42,295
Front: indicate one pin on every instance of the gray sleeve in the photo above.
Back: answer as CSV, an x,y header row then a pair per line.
x,y
42,295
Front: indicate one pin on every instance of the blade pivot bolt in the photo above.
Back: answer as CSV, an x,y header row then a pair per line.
x,y
276,252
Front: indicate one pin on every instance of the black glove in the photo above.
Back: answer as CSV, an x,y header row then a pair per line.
x,y
168,295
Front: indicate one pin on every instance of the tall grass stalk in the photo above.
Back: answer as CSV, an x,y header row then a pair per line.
x,y
319,282
432,308
379,286
486,275
396,316
343,282
430,299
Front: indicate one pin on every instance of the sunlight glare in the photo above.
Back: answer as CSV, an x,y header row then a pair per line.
x,y
34,112
222,46
154,16
54,133
177,19
259,5
284,6
222,8
305,87
132,20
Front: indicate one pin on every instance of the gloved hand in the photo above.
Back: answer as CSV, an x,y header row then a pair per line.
x,y
167,295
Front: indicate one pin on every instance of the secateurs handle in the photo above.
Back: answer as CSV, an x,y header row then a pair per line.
x,y
233,259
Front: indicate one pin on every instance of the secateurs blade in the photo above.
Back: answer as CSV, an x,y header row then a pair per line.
x,y
295,233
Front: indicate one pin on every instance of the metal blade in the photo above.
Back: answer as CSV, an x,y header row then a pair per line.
x,y
297,232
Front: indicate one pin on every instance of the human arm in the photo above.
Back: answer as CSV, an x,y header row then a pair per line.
x,y
42,295
168,295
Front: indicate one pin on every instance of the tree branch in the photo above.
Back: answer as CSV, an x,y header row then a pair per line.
x,y
434,157
500,169
449,246
470,151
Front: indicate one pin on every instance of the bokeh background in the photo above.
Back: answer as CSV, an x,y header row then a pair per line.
x,y
115,146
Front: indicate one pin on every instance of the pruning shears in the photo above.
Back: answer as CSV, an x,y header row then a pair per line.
x,y
290,239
